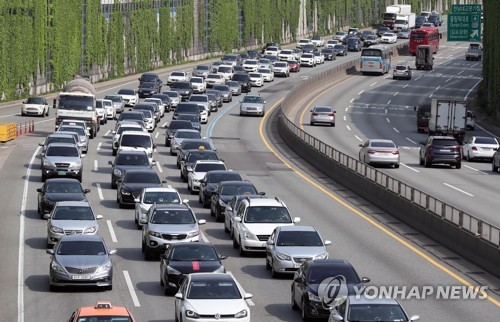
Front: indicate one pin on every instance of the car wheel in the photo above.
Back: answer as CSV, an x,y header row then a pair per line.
x,y
206,203
494,168
427,164
311,123
226,230
114,152
243,253
274,274
458,165
219,217
468,157
235,243
47,113
53,288
148,254
420,161
80,177
113,185
333,124
292,300
44,178
305,316
109,287
268,266
396,165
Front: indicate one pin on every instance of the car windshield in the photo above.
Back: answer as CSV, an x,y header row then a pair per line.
x,y
299,238
376,312
481,140
205,167
126,92
147,114
72,213
163,197
224,69
113,98
76,129
171,94
196,98
252,99
444,142
202,68
181,74
104,318
219,177
267,215
223,88
213,290
81,247
400,67
196,80
195,156
194,252
280,64
62,151
317,274
181,85
148,78
132,116
382,144
63,187
255,75
251,62
341,47
188,145
63,139
232,190
143,141
35,100
141,177
122,129
147,85
371,37
187,135
174,216
132,159
188,117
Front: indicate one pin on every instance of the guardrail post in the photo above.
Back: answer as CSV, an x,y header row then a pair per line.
x,y
461,219
479,228
443,209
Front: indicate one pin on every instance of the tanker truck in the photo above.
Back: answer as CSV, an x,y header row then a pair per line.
x,y
77,101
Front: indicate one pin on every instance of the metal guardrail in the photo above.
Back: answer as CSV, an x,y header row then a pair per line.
x,y
459,218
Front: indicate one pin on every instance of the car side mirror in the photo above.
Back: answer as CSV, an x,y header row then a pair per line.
x,y
202,222
163,256
99,217
143,221
237,219
299,279
112,252
50,251
137,199
40,144
270,242
222,257
337,317
296,220
247,296
414,318
83,155
179,296
85,191
110,162
262,193
365,280
360,145
327,242
164,181
39,190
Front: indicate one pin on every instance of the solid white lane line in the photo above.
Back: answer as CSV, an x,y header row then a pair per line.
x,y
99,191
164,124
159,167
418,78
474,169
96,165
405,86
457,189
20,261
111,231
249,301
361,92
347,108
460,72
437,88
395,130
373,84
411,141
388,102
347,126
359,139
406,166
99,146
352,100
156,135
131,289
204,237
387,119
395,94
107,133
449,79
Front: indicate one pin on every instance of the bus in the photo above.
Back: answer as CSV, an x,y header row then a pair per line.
x,y
375,59
424,36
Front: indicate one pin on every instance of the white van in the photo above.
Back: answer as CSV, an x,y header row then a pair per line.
x,y
226,71
135,140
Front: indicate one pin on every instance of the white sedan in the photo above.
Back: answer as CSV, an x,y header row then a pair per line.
x,y
331,43
256,79
479,147
251,65
267,74
177,76
303,42
286,54
211,296
389,37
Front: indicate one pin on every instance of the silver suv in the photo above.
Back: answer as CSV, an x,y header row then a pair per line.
x,y
167,224
62,160
256,220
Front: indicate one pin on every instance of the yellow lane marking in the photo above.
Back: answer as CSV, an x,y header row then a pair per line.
x,y
362,215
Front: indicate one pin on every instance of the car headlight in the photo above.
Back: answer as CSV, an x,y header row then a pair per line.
x,y
47,163
193,234
106,267
75,166
56,267
173,271
56,230
192,314
283,257
249,235
321,256
222,203
241,314
313,297
154,234
90,230
125,193
143,210
117,172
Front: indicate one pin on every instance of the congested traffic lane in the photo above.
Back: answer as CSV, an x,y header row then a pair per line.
x,y
378,107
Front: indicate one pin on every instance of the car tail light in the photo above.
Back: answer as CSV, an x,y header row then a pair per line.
x,y
371,151
315,114
456,148
395,152
432,148
331,114
474,148
380,65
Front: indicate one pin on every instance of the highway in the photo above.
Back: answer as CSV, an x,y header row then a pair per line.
x,y
376,244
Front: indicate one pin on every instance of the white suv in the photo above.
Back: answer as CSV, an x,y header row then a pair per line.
x,y
255,221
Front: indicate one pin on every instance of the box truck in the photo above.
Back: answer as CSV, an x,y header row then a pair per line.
x,y
391,13
406,21
448,117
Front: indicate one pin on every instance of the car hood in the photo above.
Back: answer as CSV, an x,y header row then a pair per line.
x,y
61,159
301,251
137,187
226,198
173,228
246,105
33,105
264,229
132,167
81,261
64,196
212,307
73,224
188,267
197,175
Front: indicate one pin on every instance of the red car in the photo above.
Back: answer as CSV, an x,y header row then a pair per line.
x,y
294,66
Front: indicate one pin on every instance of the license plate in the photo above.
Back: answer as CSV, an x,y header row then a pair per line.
x,y
61,173
445,150
81,277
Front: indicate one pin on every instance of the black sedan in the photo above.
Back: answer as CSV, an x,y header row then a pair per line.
x,y
132,183
59,189
312,276
210,181
181,259
329,53
190,144
128,160
223,194
354,44
340,50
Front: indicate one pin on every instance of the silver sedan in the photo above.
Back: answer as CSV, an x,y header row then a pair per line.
x,y
322,114
290,246
378,151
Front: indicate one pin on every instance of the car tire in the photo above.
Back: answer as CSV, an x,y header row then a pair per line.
x,y
458,165
292,300
47,113
235,243
427,164
44,178
333,124
226,230
268,266
274,274
243,253
468,158
148,254
53,288
80,177
219,217
206,203
303,313
494,168
396,166
109,287
113,185
311,123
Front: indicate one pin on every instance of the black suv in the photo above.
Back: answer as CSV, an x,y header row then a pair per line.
x,y
440,149
149,84
183,88
244,80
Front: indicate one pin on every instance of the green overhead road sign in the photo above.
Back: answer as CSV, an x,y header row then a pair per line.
x,y
466,8
464,26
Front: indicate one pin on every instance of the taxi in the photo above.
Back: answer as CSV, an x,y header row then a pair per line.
x,y
102,311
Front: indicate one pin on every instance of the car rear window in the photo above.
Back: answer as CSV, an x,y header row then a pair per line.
x,y
383,145
323,109
444,142
400,67
486,141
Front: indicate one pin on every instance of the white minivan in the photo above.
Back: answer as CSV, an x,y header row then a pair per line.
x,y
134,140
